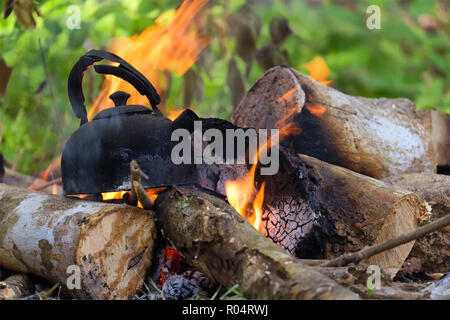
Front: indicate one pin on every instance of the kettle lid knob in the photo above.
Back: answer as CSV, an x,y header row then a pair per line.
x,y
119,98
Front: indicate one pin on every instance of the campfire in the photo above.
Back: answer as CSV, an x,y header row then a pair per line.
x,y
144,196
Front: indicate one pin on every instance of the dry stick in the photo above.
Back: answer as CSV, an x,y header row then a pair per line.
x,y
389,244
142,196
48,184
136,174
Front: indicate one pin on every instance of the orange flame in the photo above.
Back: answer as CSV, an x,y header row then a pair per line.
x,y
46,175
318,70
171,45
152,193
240,192
173,114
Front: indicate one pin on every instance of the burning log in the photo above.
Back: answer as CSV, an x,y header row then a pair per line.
x,y
375,137
432,250
316,210
344,212
111,245
213,237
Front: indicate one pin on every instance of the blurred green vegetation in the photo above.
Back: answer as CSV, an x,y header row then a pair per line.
x,y
408,57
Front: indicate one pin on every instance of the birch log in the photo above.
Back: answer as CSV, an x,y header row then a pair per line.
x,y
44,234
433,250
375,137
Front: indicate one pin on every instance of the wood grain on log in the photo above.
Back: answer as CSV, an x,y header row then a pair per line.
x,y
44,235
375,137
213,237
433,250
359,211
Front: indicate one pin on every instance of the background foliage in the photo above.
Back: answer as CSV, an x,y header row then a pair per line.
x,y
409,57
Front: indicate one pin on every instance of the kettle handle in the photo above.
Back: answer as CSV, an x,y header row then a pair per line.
x,y
124,71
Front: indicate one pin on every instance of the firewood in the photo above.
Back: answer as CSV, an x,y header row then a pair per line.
x,y
17,179
395,291
316,210
433,250
375,137
44,235
15,287
440,126
213,237
365,253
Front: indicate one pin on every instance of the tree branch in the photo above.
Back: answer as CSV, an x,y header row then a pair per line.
x,y
355,257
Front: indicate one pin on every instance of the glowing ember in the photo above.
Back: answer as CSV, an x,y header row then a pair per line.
x,y
172,259
113,195
152,193
172,45
318,70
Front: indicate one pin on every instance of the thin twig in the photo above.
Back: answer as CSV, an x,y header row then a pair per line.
x,y
136,174
355,257
142,196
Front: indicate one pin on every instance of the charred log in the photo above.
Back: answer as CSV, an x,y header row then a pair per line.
x,y
15,287
375,137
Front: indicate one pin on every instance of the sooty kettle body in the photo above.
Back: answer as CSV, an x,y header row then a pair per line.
x,y
96,158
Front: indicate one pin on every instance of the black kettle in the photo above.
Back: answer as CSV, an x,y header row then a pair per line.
x,y
96,158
